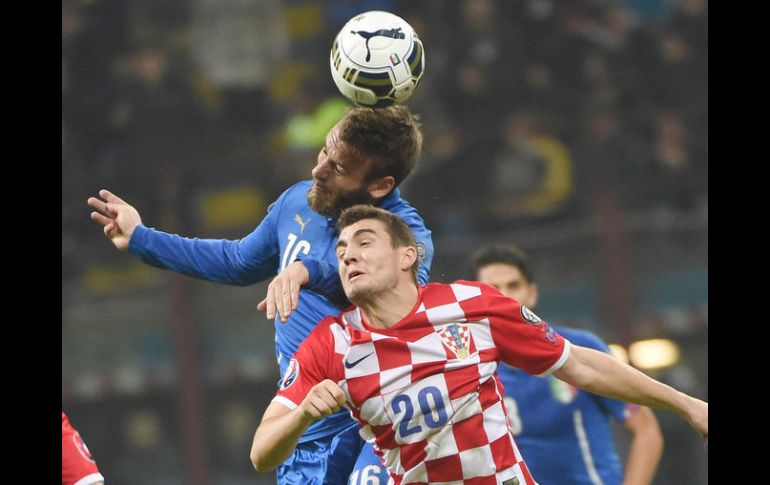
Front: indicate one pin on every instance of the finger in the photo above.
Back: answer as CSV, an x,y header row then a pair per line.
x,y
97,217
99,205
262,306
108,229
294,290
110,197
331,404
270,303
286,305
95,203
279,299
317,408
336,392
340,396
331,394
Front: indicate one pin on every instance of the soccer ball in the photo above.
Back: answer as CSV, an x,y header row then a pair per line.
x,y
377,59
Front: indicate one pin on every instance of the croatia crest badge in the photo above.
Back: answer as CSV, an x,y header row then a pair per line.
x,y
457,338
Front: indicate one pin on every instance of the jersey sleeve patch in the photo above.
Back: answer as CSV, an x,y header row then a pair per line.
x,y
290,376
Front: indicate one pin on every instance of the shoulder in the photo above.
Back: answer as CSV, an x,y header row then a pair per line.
x,y
301,186
477,287
329,334
292,195
394,203
323,330
393,199
464,293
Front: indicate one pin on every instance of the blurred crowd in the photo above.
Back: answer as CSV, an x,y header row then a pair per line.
x,y
533,110
576,129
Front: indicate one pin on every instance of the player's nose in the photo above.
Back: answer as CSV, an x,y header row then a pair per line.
x,y
321,169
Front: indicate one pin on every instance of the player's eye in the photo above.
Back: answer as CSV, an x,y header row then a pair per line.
x,y
338,168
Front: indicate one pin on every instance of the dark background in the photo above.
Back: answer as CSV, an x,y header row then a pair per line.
x,y
577,130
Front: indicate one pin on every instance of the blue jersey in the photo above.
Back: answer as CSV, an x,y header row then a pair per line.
x,y
564,433
291,230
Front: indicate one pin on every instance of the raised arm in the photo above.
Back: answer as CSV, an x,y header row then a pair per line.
x,y
283,423
646,447
602,374
236,262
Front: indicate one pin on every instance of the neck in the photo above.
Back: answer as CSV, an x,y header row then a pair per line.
x,y
390,306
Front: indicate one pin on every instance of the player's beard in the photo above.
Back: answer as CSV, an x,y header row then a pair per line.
x,y
332,204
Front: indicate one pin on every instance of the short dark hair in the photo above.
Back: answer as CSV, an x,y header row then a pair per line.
x,y
504,254
391,136
400,234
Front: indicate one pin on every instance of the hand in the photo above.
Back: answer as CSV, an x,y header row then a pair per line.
x,y
324,398
117,218
698,417
283,292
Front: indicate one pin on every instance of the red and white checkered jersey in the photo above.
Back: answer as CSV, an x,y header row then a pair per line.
x,y
77,465
425,391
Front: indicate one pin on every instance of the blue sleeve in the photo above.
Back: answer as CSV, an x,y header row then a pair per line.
x,y
615,408
421,234
244,261
324,277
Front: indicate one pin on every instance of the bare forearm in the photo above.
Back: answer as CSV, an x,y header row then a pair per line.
x,y
276,438
646,447
642,462
602,374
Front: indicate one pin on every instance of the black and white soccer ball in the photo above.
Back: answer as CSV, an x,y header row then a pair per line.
x,y
377,59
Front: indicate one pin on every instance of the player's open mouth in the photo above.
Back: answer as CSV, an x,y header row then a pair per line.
x,y
353,274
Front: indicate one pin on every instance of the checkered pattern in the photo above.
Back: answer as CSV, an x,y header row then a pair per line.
x,y
434,414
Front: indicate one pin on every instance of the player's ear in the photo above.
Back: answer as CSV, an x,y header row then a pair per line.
x,y
408,257
533,295
381,187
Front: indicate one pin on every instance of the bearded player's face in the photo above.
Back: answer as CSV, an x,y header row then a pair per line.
x,y
339,178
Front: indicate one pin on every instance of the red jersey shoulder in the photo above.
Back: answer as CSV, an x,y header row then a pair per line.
x,y
321,331
485,287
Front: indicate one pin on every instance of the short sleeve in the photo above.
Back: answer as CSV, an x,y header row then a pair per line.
x,y
523,339
312,363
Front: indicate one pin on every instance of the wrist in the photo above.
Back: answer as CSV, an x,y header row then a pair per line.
x,y
301,270
311,269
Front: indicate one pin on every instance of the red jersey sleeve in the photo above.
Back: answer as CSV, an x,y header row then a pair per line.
x,y
77,464
522,338
312,363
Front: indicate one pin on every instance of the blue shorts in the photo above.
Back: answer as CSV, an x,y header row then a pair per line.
x,y
324,461
369,469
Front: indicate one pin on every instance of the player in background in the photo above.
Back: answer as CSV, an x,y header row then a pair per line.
x,y
77,465
416,366
364,159
552,418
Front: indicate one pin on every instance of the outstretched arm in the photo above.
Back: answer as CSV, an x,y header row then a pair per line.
x,y
234,262
646,447
281,427
603,374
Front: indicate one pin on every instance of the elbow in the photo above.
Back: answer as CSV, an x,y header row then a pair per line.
x,y
260,461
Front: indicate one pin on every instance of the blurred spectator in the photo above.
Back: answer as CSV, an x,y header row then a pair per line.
x,y
529,176
679,170
533,111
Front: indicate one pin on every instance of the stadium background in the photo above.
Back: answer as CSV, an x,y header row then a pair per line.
x,y
576,130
